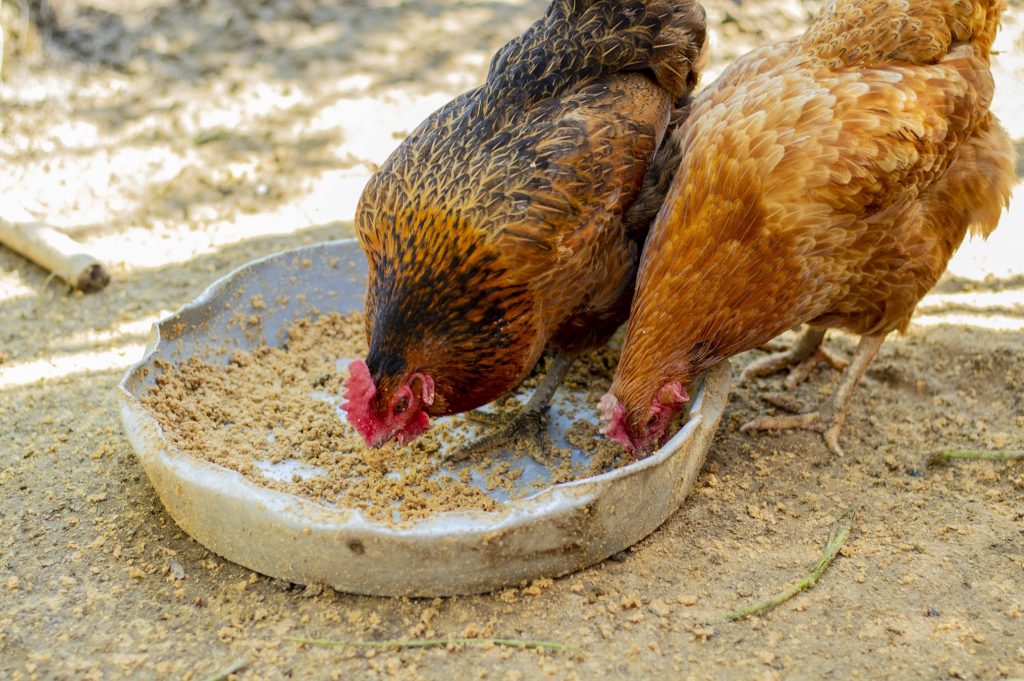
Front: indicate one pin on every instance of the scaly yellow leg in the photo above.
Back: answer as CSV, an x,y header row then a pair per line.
x,y
801,359
828,421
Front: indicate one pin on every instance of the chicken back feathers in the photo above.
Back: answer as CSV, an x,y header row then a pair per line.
x,y
826,179
505,222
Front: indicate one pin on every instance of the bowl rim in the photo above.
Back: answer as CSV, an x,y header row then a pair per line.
x,y
511,512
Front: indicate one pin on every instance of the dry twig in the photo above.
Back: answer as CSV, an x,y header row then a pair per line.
x,y
837,537
235,666
50,248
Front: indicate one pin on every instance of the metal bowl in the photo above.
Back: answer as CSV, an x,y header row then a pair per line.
x,y
551,532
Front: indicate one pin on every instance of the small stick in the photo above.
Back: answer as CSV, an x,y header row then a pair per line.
x,y
235,666
837,536
976,454
50,248
400,643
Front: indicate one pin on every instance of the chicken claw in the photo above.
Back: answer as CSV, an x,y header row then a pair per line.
x,y
528,425
801,359
828,426
828,421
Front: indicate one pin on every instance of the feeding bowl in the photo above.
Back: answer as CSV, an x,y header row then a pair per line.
x,y
550,531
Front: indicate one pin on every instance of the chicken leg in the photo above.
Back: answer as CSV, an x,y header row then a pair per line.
x,y
802,358
827,421
528,425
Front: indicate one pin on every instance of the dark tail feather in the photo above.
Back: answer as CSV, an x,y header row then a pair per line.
x,y
579,40
680,50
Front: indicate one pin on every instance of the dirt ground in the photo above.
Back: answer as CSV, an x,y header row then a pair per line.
x,y
181,140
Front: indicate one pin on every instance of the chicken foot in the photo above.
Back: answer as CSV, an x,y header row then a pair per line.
x,y
527,425
801,358
829,420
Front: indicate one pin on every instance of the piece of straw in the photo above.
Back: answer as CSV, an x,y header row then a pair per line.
x,y
838,534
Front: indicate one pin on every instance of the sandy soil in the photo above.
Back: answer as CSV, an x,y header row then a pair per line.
x,y
183,139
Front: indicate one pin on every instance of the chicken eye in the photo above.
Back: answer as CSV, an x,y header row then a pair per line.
x,y
401,406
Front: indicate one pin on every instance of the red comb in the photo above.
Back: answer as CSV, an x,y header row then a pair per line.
x,y
359,390
614,416
359,384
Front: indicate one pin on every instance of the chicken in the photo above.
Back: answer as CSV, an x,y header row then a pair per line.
x,y
824,180
510,221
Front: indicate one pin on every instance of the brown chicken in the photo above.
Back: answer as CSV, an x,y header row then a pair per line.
x,y
510,221
824,180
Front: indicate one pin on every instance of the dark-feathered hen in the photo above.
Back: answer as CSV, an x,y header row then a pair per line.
x,y
510,220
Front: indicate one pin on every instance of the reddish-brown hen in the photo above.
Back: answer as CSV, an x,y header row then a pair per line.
x,y
510,221
824,180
